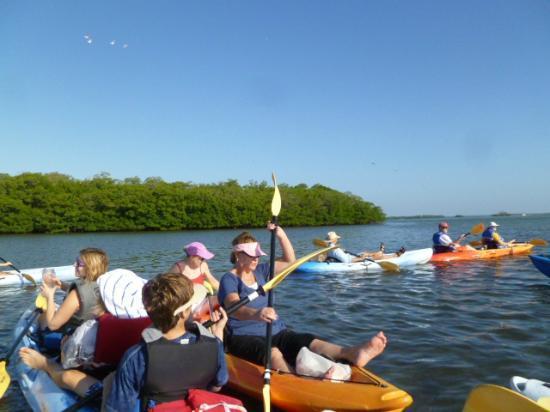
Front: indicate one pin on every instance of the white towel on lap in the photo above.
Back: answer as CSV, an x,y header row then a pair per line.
x,y
120,290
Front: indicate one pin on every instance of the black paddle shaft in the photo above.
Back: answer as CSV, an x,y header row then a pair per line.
x,y
5,261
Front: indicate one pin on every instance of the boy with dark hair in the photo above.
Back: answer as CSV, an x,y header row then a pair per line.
x,y
173,356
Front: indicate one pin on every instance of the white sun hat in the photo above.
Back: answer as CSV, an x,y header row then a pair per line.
x,y
121,291
493,224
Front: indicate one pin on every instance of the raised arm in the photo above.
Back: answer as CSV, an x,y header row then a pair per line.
x,y
288,251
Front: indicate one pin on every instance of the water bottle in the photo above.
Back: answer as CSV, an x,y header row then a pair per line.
x,y
49,276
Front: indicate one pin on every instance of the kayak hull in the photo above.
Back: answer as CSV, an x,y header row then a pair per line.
x,y
290,392
63,273
493,398
409,258
39,390
468,254
542,263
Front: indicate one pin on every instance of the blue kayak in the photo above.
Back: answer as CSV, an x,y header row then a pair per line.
x,y
39,390
542,263
409,258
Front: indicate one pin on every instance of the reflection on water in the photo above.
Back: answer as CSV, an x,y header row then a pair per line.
x,y
450,327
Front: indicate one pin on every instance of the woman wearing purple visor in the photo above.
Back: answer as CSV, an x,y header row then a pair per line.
x,y
194,266
246,326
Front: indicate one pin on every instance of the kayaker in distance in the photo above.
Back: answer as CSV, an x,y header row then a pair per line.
x,y
194,266
343,256
152,370
492,240
246,326
442,242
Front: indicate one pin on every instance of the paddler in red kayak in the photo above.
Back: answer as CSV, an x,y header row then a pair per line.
x,y
442,242
246,326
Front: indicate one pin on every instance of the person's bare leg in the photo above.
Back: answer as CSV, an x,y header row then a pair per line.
x,y
358,355
71,379
278,361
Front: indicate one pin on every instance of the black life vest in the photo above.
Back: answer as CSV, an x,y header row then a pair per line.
x,y
174,368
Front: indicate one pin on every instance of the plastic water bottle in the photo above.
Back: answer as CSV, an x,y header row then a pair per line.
x,y
49,276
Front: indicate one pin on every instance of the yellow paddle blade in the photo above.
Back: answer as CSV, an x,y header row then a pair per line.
x,y
320,243
544,402
477,229
493,398
4,378
208,287
281,276
538,242
41,302
266,392
276,202
476,243
29,278
389,266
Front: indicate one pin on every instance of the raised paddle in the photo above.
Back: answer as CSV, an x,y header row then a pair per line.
x,y
275,209
262,290
5,379
384,264
24,275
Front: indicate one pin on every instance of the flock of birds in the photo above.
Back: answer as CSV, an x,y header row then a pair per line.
x,y
89,40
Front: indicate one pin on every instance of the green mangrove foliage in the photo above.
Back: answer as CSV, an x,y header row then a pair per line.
x,y
57,203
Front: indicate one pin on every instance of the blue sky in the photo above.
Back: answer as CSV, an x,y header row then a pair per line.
x,y
417,106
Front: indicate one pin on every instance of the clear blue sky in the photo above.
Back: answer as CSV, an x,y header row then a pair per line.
x,y
417,106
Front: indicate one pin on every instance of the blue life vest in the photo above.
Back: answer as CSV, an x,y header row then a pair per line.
x,y
487,238
438,246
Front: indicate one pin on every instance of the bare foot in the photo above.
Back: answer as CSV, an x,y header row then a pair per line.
x,y
33,359
363,354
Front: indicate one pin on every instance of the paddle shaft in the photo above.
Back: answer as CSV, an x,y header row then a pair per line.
x,y
11,264
269,326
34,315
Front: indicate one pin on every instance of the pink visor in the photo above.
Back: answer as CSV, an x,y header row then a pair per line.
x,y
252,249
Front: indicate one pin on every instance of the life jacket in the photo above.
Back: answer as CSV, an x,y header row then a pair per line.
x,y
438,247
488,240
173,369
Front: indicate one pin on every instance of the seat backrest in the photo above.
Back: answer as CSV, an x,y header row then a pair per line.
x,y
115,336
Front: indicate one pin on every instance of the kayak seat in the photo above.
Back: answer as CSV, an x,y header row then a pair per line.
x,y
115,336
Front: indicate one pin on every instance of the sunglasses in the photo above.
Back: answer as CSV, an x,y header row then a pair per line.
x,y
251,257
79,263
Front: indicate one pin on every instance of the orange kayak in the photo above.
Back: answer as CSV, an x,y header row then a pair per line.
x,y
464,253
364,392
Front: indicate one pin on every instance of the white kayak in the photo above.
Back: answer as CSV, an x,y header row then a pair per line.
x,y
409,258
39,390
534,389
13,278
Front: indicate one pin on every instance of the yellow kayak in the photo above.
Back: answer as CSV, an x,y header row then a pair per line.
x,y
364,392
493,398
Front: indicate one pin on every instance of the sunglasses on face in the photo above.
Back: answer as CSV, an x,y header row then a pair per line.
x,y
250,257
79,263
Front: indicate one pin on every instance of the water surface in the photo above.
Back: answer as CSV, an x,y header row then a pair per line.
x,y
450,327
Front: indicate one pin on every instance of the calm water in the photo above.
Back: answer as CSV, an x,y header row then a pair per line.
x,y
449,327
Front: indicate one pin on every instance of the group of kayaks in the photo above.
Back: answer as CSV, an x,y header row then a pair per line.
x,y
363,392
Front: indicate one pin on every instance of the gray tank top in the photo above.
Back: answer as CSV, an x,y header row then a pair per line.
x,y
88,298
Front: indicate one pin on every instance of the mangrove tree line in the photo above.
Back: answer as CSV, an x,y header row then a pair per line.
x,y
56,203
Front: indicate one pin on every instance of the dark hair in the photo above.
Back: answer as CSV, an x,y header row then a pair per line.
x,y
162,295
244,237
